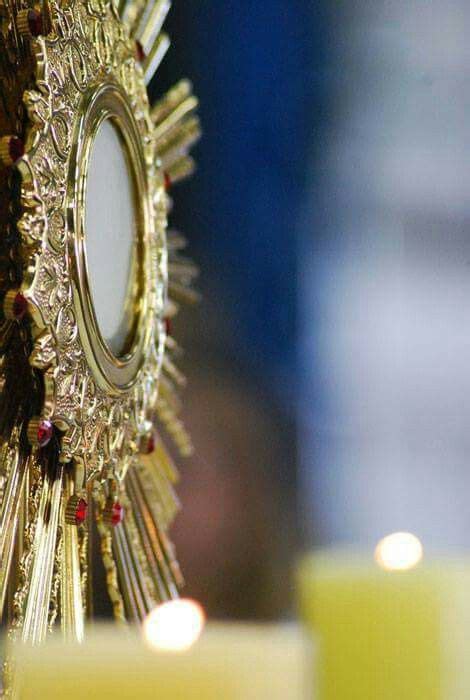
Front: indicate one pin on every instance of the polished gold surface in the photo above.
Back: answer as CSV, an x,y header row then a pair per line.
x,y
79,422
90,390
115,374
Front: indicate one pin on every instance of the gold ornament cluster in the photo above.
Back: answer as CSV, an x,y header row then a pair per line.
x,y
83,430
87,57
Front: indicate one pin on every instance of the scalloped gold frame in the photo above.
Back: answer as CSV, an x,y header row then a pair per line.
x,y
85,67
114,374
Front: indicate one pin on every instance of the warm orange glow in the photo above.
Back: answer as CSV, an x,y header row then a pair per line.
x,y
174,626
399,552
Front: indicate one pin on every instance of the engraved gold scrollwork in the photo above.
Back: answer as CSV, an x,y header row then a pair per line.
x,y
88,48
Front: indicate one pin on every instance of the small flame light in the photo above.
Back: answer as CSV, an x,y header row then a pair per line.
x,y
174,626
400,551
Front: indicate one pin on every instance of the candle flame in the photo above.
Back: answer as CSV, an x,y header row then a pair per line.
x,y
175,625
399,551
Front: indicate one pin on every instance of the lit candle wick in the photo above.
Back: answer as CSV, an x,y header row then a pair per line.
x,y
174,626
399,551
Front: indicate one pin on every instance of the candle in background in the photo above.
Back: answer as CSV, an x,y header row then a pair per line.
x,y
174,626
388,627
229,662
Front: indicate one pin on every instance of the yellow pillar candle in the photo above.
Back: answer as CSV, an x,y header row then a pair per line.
x,y
229,662
388,634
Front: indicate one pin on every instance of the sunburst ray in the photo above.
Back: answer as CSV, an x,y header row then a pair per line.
x,y
151,22
14,469
43,554
45,534
155,523
155,56
72,603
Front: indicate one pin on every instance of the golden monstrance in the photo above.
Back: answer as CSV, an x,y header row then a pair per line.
x,y
90,278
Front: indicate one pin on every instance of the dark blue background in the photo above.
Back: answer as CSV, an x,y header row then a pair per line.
x,y
257,68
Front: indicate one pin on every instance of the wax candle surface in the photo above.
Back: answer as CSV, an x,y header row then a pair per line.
x,y
229,662
402,635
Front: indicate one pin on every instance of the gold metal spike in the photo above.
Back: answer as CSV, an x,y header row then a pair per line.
x,y
154,530
156,571
169,396
170,101
183,294
168,125
165,462
155,56
182,269
176,240
16,469
114,591
169,550
128,577
181,169
37,607
173,347
72,605
26,541
142,566
161,496
173,372
171,308
175,427
151,22
179,142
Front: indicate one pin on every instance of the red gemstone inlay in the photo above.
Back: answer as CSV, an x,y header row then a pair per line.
x,y
167,181
81,511
139,52
150,444
35,23
117,514
15,149
45,432
168,326
20,306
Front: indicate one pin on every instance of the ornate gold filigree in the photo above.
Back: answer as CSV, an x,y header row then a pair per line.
x,y
83,62
88,48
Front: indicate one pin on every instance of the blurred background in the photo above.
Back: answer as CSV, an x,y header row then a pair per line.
x,y
328,371
252,68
